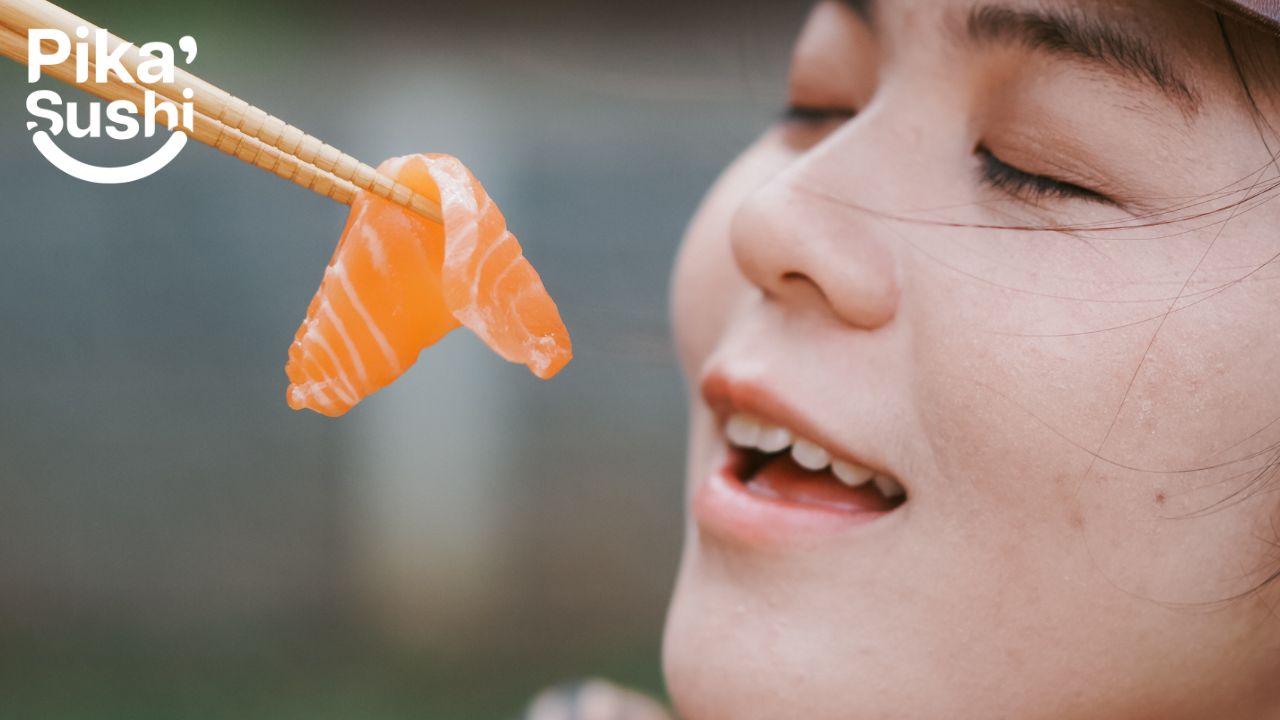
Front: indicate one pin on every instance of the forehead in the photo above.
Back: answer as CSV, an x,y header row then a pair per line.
x,y
1183,40
1171,24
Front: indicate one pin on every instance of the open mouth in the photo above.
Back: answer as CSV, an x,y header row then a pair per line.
x,y
773,463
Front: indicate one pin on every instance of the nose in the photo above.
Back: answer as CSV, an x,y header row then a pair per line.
x,y
803,248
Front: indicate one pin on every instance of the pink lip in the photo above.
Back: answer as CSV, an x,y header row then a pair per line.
x,y
726,396
724,508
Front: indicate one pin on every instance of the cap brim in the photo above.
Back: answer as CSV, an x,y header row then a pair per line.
x,y
1262,13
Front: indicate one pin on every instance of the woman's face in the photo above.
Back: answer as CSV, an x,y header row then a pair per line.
x,y
1081,420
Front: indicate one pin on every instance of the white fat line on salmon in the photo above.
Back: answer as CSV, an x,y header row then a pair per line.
x,y
321,393
314,333
489,254
314,388
327,309
404,226
484,212
308,393
465,240
455,192
486,208
318,393
350,395
459,197
538,361
347,394
468,237
298,395
392,361
455,263
511,309
373,240
395,165
377,251
421,251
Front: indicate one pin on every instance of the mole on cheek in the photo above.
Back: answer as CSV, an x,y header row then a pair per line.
x,y
1075,518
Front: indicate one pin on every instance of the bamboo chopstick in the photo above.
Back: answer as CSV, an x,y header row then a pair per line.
x,y
222,121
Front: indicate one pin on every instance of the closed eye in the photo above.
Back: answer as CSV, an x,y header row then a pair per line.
x,y
1029,186
817,114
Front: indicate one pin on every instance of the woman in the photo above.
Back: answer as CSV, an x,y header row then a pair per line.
x,y
982,344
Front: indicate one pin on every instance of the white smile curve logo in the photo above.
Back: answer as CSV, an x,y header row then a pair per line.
x,y
109,175
98,58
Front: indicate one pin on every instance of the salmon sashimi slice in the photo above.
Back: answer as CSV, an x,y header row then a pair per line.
x,y
399,282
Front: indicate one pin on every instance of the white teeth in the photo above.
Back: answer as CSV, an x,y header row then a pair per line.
x,y
889,487
774,439
749,432
851,475
810,456
743,431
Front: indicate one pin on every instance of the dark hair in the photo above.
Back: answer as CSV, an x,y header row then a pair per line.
x,y
1248,70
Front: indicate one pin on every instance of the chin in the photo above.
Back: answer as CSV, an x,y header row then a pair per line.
x,y
729,656
713,674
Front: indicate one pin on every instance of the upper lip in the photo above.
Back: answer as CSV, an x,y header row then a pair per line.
x,y
726,396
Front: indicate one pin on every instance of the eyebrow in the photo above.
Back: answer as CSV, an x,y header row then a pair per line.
x,y
1080,38
1073,36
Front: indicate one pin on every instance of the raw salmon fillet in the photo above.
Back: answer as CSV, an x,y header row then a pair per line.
x,y
399,282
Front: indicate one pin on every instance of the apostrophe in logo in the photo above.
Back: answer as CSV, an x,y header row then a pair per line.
x,y
52,48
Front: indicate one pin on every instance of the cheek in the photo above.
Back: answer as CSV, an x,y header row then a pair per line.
x,y
1095,424
707,284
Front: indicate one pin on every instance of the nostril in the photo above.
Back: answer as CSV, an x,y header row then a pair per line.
x,y
800,287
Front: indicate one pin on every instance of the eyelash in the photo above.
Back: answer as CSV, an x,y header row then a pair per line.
x,y
1001,176
816,115
995,172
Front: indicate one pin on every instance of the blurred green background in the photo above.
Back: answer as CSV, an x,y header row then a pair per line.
x,y
176,543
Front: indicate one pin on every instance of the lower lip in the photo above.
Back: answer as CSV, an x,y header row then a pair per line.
x,y
726,509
